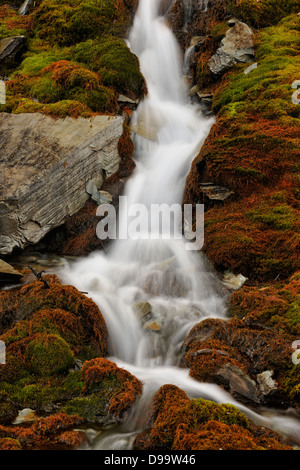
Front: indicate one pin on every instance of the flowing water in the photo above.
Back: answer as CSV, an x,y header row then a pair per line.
x,y
177,283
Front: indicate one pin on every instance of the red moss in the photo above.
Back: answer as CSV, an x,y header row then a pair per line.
x,y
177,423
59,313
44,433
98,370
246,344
68,75
7,443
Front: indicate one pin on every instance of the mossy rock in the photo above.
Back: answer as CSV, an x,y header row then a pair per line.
x,y
109,393
177,423
48,355
253,149
116,64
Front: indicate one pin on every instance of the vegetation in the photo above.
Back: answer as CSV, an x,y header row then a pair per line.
x,y
77,61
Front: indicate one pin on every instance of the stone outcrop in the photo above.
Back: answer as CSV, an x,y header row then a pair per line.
x,y
236,46
45,165
9,47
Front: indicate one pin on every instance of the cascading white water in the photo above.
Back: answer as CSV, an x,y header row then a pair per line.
x,y
176,282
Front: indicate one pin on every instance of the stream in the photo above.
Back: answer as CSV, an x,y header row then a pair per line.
x,y
178,283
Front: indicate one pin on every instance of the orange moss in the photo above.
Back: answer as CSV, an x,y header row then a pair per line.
x,y
98,370
61,313
44,433
68,75
177,423
251,347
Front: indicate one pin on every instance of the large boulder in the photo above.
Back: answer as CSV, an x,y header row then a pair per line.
x,y
45,165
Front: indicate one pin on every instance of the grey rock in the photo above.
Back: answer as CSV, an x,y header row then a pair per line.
x,y
215,192
250,68
236,46
44,167
100,197
267,385
126,99
9,47
239,383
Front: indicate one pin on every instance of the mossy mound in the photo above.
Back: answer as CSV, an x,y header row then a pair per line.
x,y
253,149
113,61
66,318
177,423
67,22
109,393
12,24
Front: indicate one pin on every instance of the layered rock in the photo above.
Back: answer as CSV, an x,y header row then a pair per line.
x,y
45,165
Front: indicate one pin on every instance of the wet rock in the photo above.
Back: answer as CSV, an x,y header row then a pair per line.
x,y
10,47
237,46
154,325
143,311
45,165
8,274
239,384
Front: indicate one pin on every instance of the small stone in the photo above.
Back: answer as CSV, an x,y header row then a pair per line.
x,y
125,99
25,416
154,325
249,69
143,311
233,282
214,192
266,384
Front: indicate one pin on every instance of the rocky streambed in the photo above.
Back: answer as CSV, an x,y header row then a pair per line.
x,y
238,376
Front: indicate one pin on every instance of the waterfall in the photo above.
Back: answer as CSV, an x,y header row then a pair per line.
x,y
176,283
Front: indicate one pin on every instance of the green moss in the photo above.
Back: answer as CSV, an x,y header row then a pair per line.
x,y
67,22
116,64
204,410
279,217
48,355
264,13
34,64
92,408
46,91
101,100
